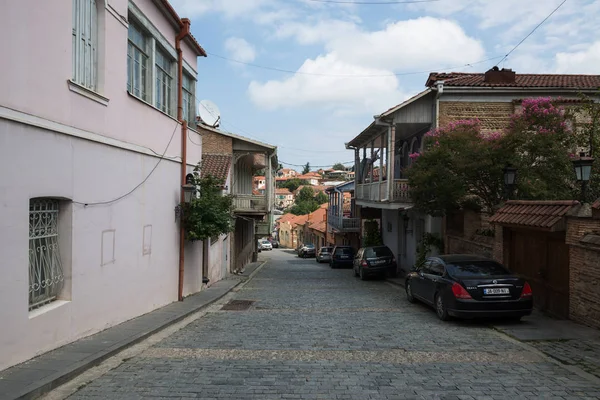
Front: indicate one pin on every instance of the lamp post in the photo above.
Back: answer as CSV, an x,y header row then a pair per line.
x,y
188,192
583,170
510,179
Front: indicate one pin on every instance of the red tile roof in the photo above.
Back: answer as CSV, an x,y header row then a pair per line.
x,y
180,21
216,165
320,226
544,215
521,80
596,205
282,191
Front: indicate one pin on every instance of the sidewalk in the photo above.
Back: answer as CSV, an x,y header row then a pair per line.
x,y
564,340
50,370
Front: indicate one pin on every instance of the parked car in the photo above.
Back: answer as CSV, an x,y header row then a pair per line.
x,y
266,245
308,250
469,286
374,260
342,256
324,254
274,243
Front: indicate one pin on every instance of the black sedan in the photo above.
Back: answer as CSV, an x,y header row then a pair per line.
x,y
469,286
342,256
374,260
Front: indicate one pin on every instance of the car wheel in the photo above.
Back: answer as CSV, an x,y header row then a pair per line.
x,y
409,294
361,273
440,308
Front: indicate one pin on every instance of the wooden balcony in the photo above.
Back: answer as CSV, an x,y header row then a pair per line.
x,y
343,224
250,204
378,192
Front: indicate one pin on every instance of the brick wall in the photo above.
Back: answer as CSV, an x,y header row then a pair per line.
x,y
493,116
461,236
214,143
584,274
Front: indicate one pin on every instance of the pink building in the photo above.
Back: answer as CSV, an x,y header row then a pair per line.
x,y
91,157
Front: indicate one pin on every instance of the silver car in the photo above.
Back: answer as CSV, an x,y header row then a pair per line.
x,y
324,254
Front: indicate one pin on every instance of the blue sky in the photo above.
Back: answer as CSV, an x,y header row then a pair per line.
x,y
354,61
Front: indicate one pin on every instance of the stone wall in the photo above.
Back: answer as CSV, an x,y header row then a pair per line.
x,y
462,235
583,238
214,143
493,116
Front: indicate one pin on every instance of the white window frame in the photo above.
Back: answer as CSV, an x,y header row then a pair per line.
x,y
163,83
85,43
189,99
46,276
138,60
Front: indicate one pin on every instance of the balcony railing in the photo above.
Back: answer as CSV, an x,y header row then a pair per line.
x,y
379,192
344,224
250,203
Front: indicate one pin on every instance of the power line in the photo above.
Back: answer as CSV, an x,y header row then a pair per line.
x,y
531,33
316,166
374,3
287,71
162,157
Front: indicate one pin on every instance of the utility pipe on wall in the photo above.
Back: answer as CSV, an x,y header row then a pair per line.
x,y
183,32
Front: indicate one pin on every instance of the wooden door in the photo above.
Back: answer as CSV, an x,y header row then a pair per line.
x,y
543,259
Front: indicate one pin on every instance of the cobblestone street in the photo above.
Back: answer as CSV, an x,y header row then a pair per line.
x,y
317,333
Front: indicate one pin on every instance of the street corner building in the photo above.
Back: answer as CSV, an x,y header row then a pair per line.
x,y
97,140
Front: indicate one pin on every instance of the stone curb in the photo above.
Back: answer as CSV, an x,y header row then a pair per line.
x,y
48,383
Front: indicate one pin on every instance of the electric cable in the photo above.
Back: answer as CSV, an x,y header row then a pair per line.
x,y
162,157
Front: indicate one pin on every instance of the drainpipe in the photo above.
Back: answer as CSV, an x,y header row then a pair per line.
x,y
184,31
439,88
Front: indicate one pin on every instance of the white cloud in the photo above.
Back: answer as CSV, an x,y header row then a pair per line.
x,y
230,8
400,46
580,62
337,93
240,49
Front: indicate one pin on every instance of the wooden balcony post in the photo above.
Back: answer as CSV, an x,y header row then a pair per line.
x,y
380,178
391,143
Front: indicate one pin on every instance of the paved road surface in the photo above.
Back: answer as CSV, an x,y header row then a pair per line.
x,y
317,333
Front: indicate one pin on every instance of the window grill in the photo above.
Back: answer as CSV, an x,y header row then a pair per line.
x,y
45,268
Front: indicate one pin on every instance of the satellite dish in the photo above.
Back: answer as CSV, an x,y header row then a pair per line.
x,y
209,113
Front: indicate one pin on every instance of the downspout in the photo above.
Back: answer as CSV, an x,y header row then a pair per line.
x,y
439,88
183,32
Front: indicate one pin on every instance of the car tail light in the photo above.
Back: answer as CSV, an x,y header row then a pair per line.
x,y
526,291
460,292
364,263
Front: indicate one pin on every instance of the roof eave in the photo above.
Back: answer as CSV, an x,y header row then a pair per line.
x,y
509,89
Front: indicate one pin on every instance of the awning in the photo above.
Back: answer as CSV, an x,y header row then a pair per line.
x,y
540,215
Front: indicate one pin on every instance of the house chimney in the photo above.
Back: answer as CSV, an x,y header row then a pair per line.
x,y
499,76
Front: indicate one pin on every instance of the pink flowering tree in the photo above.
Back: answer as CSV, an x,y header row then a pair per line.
x,y
541,140
459,162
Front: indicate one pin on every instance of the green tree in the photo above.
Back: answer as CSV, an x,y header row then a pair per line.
x,y
588,137
339,167
321,198
372,234
306,194
293,184
306,169
303,208
209,214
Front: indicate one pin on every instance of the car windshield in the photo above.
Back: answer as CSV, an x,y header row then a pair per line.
x,y
380,251
265,242
344,250
310,246
325,249
476,269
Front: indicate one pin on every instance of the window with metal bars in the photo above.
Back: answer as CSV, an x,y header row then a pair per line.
x,y
137,62
85,43
45,268
164,80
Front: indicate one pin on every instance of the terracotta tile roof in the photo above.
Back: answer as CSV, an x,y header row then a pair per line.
x,y
282,191
193,42
544,215
299,220
216,165
286,218
521,80
596,205
320,226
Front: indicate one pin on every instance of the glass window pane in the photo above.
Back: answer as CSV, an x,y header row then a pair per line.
x,y
476,269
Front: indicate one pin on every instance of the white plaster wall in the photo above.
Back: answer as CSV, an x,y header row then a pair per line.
x,y
39,163
391,239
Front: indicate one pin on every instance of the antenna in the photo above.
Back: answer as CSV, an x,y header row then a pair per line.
x,y
209,113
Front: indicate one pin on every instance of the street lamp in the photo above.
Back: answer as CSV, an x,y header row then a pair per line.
x,y
188,192
510,179
406,220
583,170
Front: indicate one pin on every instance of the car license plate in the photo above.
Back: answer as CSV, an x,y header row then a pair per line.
x,y
380,262
344,257
496,291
